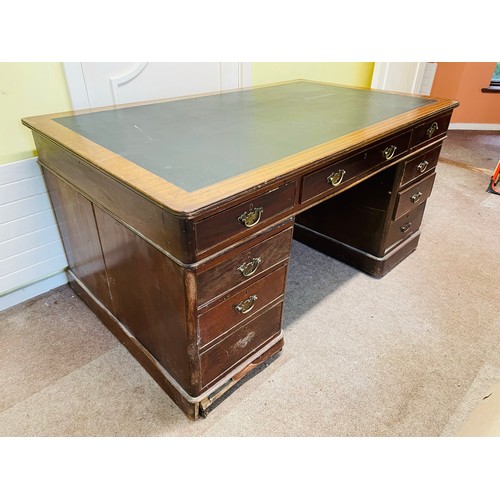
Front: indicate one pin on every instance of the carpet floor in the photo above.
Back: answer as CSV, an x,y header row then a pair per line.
x,y
410,354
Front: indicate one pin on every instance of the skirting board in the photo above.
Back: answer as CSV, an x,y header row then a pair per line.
x,y
32,290
474,126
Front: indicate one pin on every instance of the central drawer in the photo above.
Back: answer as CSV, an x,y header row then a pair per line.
x,y
337,176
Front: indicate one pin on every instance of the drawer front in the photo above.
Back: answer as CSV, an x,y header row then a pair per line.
x,y
430,130
239,307
413,196
420,166
403,227
338,175
387,151
244,218
244,266
233,349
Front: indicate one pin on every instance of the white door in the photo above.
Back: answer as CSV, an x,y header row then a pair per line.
x,y
414,78
102,84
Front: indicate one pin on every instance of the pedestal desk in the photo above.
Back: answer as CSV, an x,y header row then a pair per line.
x,y
177,216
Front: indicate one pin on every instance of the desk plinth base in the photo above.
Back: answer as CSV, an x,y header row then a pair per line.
x,y
370,264
192,408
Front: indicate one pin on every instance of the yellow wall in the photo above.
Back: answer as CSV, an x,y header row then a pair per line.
x,y
358,74
27,89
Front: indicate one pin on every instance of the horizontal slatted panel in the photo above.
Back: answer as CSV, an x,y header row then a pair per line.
x,y
19,170
21,208
19,190
27,224
30,244
30,274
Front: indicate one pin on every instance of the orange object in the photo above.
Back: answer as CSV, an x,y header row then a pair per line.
x,y
492,187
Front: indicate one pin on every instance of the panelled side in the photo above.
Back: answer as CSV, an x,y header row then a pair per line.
x,y
149,296
75,217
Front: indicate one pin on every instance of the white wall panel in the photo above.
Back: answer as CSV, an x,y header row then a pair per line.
x,y
32,274
29,257
428,78
28,241
32,290
398,76
18,190
31,250
27,224
19,170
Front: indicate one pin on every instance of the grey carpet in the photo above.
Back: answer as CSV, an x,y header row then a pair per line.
x,y
407,355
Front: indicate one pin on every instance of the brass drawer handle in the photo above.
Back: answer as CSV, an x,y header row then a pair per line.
x,y
432,129
405,227
252,217
336,178
389,152
247,305
416,197
248,268
422,166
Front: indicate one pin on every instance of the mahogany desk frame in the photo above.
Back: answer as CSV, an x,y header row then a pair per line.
x,y
193,283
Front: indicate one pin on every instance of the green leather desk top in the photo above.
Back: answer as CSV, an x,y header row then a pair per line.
x,y
196,142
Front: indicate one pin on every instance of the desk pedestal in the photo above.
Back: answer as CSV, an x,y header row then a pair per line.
x,y
370,226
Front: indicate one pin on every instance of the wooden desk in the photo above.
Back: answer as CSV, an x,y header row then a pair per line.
x,y
177,216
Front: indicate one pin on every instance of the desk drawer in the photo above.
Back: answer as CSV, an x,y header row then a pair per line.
x,y
413,196
430,130
337,176
241,266
421,165
403,227
233,349
243,218
238,307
